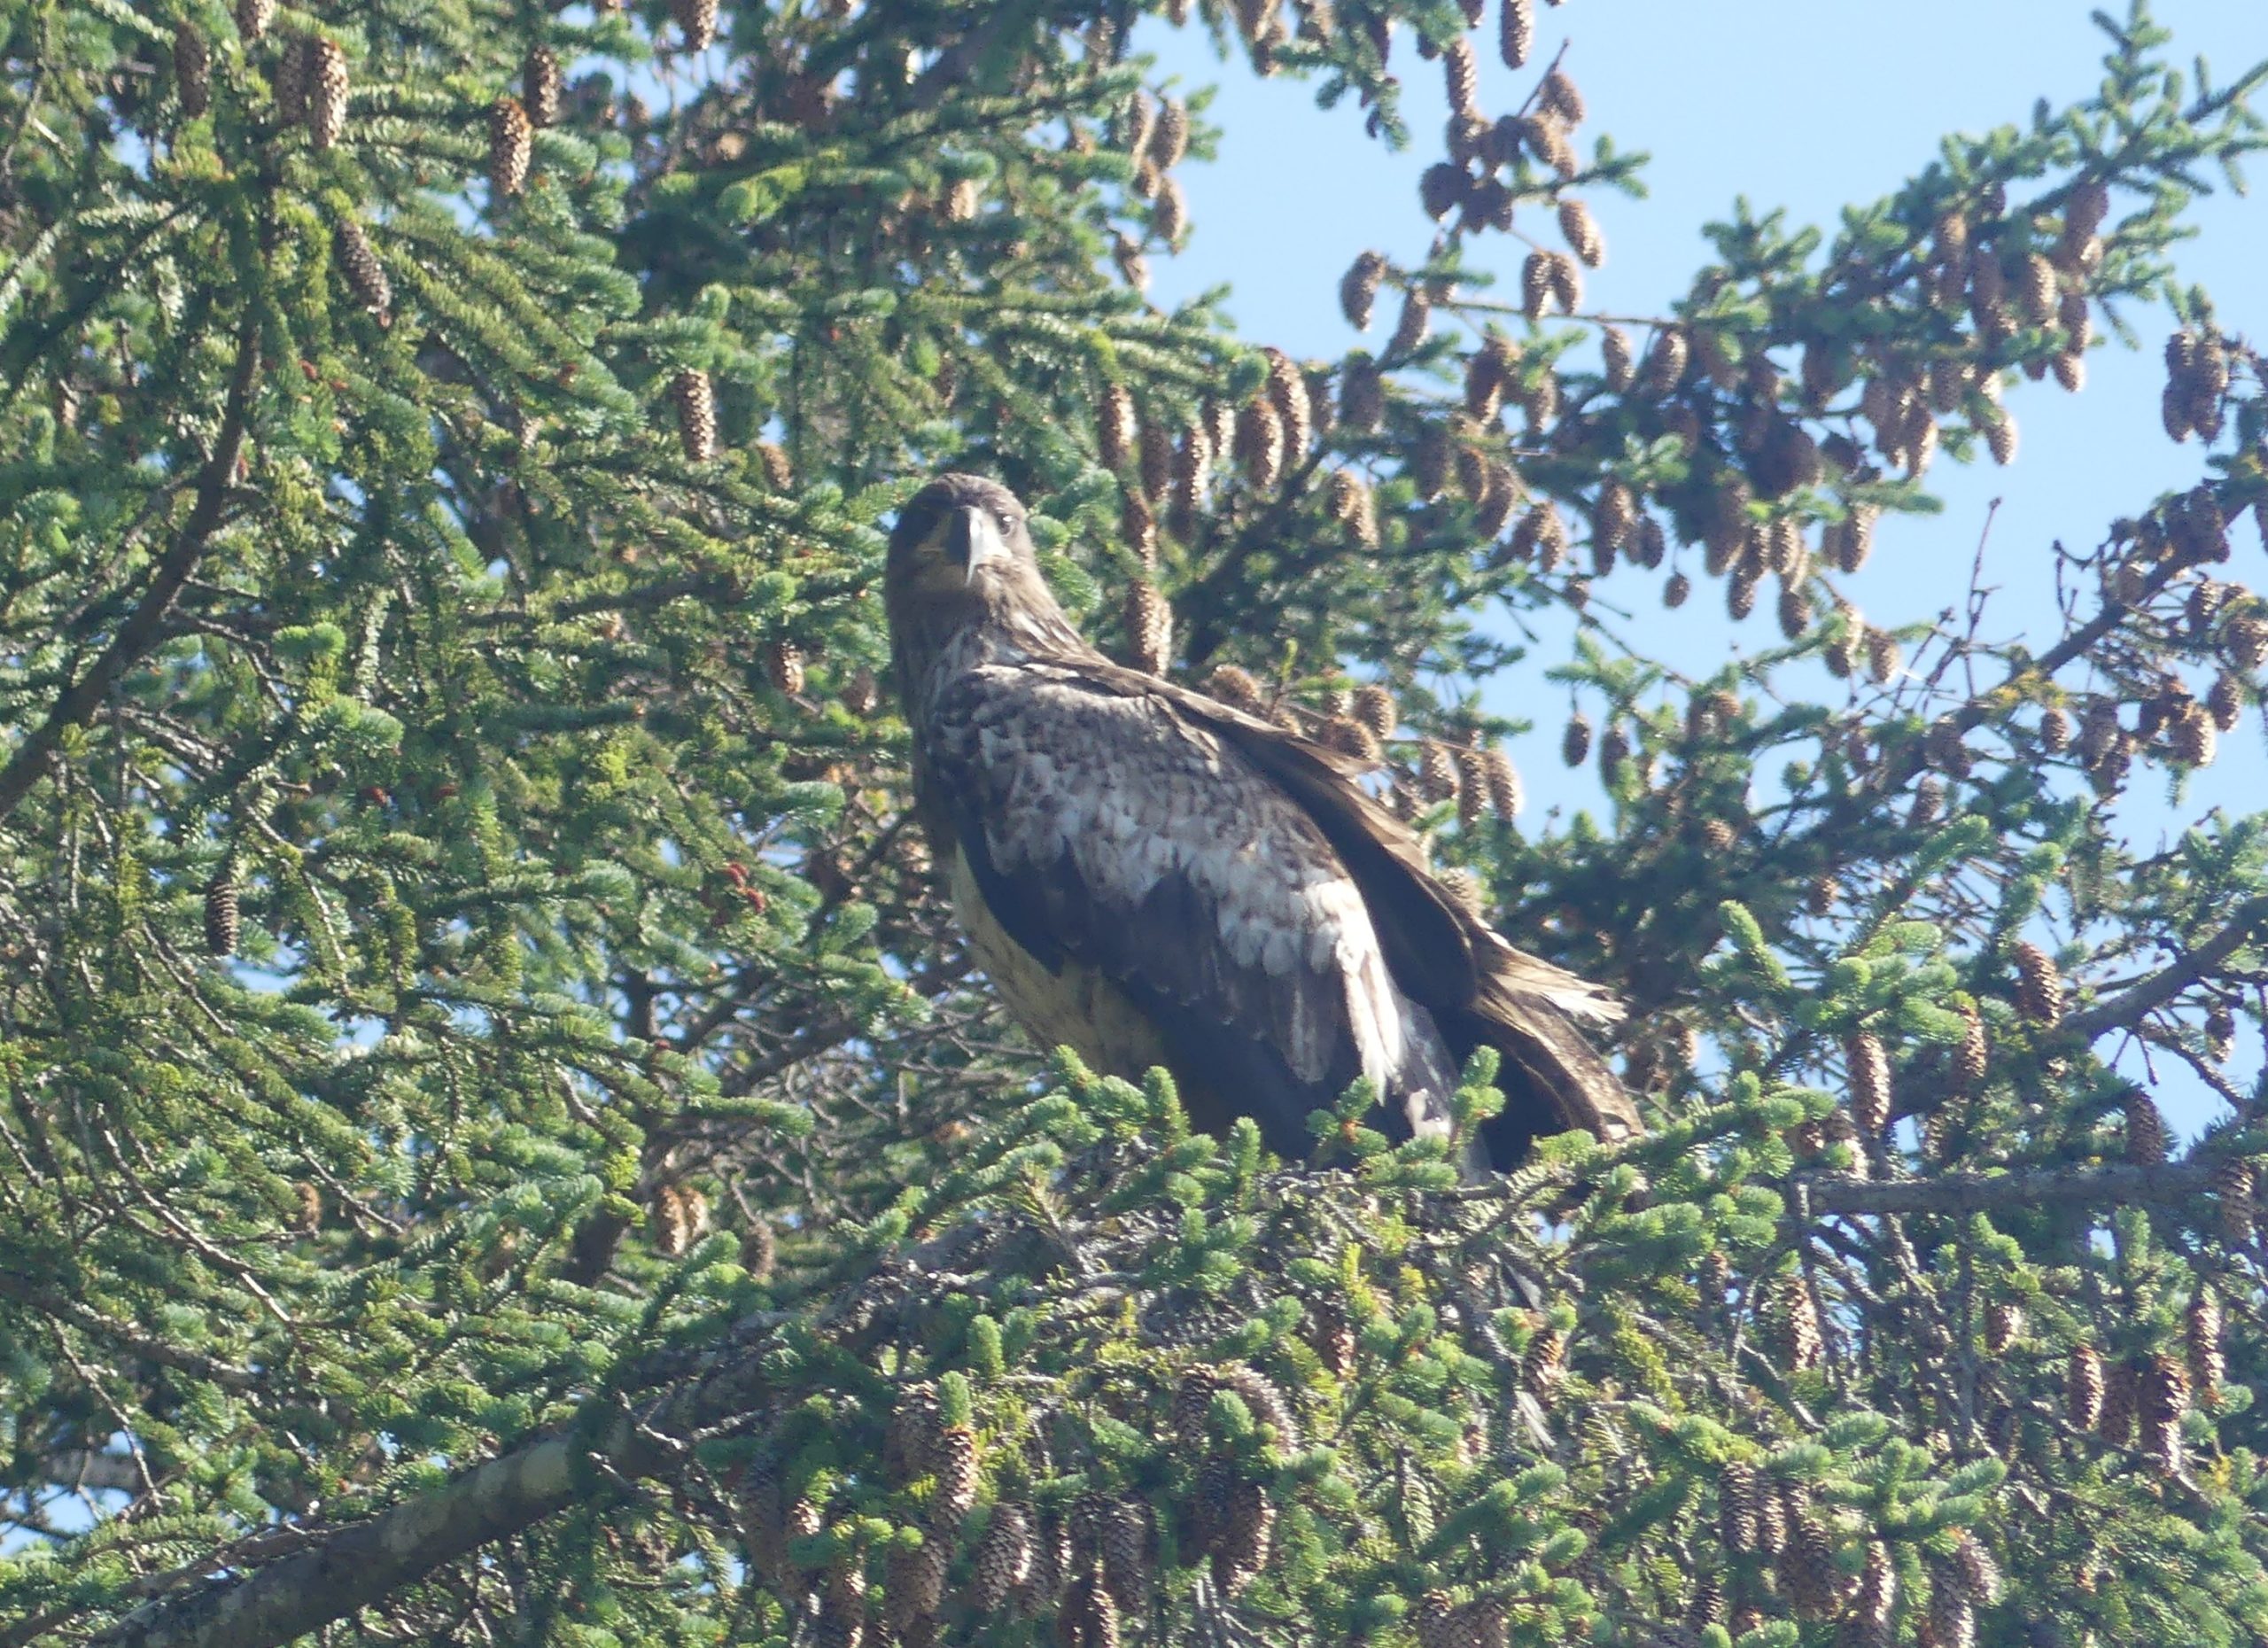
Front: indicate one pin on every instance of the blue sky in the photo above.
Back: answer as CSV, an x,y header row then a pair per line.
x,y
1803,106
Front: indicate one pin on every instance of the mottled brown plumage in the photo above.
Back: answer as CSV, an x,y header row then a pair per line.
x,y
1152,876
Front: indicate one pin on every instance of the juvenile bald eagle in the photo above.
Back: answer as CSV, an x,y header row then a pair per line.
x,y
1153,878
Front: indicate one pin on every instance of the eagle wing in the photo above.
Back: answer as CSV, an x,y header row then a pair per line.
x,y
1277,926
1113,832
1479,990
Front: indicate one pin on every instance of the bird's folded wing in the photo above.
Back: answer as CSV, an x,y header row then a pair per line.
x,y
1107,829
1479,988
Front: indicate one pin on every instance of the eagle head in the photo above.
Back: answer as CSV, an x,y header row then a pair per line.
x,y
961,557
956,534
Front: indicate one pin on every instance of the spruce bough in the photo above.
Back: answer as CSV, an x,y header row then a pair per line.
x,y
500,1141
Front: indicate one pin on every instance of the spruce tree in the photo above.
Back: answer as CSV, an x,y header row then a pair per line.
x,y
501,1142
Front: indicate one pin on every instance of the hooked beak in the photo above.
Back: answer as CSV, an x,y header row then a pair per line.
x,y
972,538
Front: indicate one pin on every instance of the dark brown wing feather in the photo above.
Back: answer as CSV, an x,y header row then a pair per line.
x,y
1482,991
1106,828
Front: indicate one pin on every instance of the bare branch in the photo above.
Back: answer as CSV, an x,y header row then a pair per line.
x,y
2120,1185
2249,922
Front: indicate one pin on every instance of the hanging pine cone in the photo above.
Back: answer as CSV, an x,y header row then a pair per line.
x,y
1169,137
2003,1324
910,1439
779,472
1870,1072
540,84
861,693
1236,688
1411,328
2201,1332
1503,780
294,68
1361,394
1052,1563
1349,737
1193,1405
1740,591
1677,590
1358,288
1539,282
1374,708
955,1464
766,1524
1349,499
2120,1396
2039,987
366,277
913,1584
1575,742
1116,427
1287,392
1771,1520
2146,1136
224,921
192,70
1800,1339
2244,640
1437,772
680,1218
2191,735
2233,1184
1247,1539
1973,1571
1807,1570
1123,1540
1740,1498
1582,231
1465,888
697,20
1461,74
1974,1055
1002,1560
1952,1619
1471,787
1193,477
1149,628
2083,1388
510,143
1331,1336
2055,731
1265,1402
1435,1622
1260,443
696,409
2162,1400
1548,141
1874,1606
2226,702
326,91
842,1622
759,1251
253,18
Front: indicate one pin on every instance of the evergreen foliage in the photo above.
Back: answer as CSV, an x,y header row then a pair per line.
x,y
499,1143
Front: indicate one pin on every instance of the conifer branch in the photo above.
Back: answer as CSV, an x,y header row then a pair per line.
x,y
2129,1004
144,626
2119,1184
364,1562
